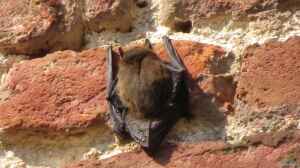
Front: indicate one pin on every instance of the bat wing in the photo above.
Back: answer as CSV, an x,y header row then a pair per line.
x,y
117,109
149,133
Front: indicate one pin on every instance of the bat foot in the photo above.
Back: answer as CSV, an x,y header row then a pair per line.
x,y
118,140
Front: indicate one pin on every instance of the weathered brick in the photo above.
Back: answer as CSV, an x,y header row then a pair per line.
x,y
115,15
176,14
35,27
269,78
207,155
66,90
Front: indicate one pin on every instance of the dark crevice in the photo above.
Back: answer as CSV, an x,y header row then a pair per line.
x,y
184,26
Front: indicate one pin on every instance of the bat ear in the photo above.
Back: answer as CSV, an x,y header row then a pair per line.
x,y
121,52
148,44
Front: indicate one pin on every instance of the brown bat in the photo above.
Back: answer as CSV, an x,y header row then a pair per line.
x,y
149,90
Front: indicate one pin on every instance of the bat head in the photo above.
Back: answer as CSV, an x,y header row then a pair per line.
x,y
134,55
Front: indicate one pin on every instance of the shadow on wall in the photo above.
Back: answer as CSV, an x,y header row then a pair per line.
x,y
211,98
207,124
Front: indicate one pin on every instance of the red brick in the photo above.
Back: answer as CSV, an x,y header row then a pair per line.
x,y
207,155
109,15
174,13
66,90
270,77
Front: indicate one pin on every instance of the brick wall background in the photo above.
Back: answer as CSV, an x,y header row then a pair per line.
x,y
243,58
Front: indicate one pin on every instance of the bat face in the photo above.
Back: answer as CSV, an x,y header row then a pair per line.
x,y
148,91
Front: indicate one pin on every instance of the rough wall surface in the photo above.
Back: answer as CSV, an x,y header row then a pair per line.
x,y
37,27
206,155
243,61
